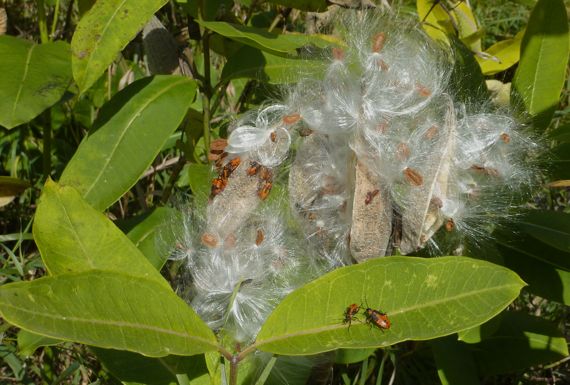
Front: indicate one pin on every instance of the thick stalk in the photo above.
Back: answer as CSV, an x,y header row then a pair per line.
x,y
234,370
54,21
42,22
207,86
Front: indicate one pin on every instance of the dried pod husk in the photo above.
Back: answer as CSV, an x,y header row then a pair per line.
x,y
319,196
232,206
162,50
371,216
421,216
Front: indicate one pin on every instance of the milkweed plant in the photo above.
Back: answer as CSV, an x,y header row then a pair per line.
x,y
381,197
377,156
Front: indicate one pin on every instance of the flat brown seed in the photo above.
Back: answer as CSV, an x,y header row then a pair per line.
x,y
370,196
485,170
414,177
449,225
273,136
338,54
431,132
436,202
209,240
378,42
423,90
291,119
259,237
230,241
505,138
217,146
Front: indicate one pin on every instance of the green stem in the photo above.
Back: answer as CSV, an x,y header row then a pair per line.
x,y
233,370
47,145
42,22
55,17
207,86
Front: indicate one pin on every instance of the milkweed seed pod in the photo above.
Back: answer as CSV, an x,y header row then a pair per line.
x,y
413,166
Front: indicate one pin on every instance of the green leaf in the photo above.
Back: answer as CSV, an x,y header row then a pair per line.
x,y
72,237
550,227
454,362
544,56
303,5
199,176
527,258
351,356
512,241
424,299
135,368
437,23
108,310
503,55
33,77
152,238
128,134
103,32
520,342
467,79
252,63
28,342
273,43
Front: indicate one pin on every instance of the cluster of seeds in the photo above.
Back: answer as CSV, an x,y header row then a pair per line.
x,y
383,157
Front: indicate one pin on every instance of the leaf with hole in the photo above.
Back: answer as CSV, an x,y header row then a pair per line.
x,y
423,298
129,132
33,77
108,310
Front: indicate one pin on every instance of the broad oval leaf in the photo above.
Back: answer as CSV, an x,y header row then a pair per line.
x,y
423,298
455,363
137,369
103,32
273,43
128,134
550,227
544,55
72,236
501,55
520,341
252,63
108,310
33,77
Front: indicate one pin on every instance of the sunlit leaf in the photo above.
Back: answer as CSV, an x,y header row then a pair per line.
x,y
109,310
33,77
423,298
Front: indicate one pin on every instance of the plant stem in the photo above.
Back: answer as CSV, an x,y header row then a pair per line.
x,y
55,17
46,145
42,22
233,370
207,86
381,368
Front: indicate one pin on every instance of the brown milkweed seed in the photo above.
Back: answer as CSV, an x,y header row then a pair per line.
x,y
414,177
259,237
449,225
378,42
436,202
291,119
485,170
423,90
338,54
505,138
273,136
431,132
209,240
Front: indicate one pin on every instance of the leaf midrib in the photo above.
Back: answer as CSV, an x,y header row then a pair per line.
x,y
134,117
118,324
403,310
23,81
